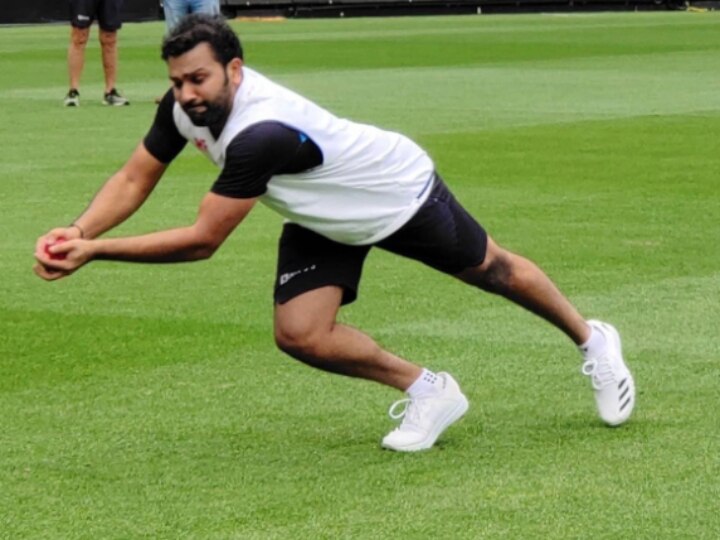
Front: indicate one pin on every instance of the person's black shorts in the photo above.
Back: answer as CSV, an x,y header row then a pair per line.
x,y
442,235
107,13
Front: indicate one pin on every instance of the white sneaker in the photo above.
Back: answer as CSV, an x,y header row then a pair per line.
x,y
611,379
426,417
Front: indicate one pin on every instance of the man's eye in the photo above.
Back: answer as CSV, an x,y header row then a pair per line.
x,y
197,80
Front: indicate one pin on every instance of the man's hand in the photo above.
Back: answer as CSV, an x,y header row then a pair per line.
x,y
60,252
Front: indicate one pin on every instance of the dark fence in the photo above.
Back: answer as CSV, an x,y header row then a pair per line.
x,y
39,11
340,8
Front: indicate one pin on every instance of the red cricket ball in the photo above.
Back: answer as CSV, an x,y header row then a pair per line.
x,y
56,256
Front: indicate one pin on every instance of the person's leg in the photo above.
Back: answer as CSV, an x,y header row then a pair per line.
x,y
76,55
108,45
110,20
445,236
82,13
315,276
523,282
211,7
175,10
306,329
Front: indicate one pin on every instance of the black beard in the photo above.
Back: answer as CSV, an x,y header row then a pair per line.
x,y
213,115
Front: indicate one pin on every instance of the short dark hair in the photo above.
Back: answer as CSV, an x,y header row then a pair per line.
x,y
202,28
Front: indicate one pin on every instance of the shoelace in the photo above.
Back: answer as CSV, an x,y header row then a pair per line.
x,y
410,413
398,415
600,373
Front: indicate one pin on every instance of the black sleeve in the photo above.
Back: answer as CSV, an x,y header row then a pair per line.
x,y
261,151
163,140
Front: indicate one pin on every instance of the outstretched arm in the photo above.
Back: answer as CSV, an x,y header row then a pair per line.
x,y
122,194
217,218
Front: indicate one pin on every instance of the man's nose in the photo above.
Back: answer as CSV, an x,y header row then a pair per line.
x,y
187,93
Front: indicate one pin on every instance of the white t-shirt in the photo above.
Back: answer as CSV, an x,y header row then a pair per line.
x,y
370,182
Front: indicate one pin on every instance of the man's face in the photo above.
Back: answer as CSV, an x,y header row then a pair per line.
x,y
203,87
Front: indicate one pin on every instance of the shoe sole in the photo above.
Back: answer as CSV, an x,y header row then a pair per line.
x,y
450,418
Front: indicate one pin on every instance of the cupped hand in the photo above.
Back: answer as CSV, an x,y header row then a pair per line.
x,y
60,252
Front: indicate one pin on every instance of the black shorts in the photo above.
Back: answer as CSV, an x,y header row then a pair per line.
x,y
107,13
442,235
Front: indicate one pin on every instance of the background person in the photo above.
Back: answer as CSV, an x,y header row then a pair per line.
x,y
345,188
175,10
82,14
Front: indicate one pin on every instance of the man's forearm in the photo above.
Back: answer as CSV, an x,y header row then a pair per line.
x,y
117,200
218,217
122,194
174,245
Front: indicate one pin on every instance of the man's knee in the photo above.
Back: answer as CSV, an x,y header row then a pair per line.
x,y
79,36
495,274
299,339
498,275
107,38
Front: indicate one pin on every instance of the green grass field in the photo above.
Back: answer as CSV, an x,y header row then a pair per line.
x,y
149,401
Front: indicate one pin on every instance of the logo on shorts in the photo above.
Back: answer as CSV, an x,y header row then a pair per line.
x,y
284,278
83,18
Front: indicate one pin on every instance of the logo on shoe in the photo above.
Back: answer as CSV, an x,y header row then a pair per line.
x,y
284,278
83,18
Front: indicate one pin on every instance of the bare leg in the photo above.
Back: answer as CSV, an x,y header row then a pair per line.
x,y
306,329
108,44
522,282
76,54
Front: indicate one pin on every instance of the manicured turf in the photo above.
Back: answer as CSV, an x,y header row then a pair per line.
x,y
149,401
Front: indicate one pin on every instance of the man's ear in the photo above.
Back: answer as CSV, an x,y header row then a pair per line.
x,y
234,70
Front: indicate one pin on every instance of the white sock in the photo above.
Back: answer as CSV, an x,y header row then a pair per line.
x,y
426,383
595,345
